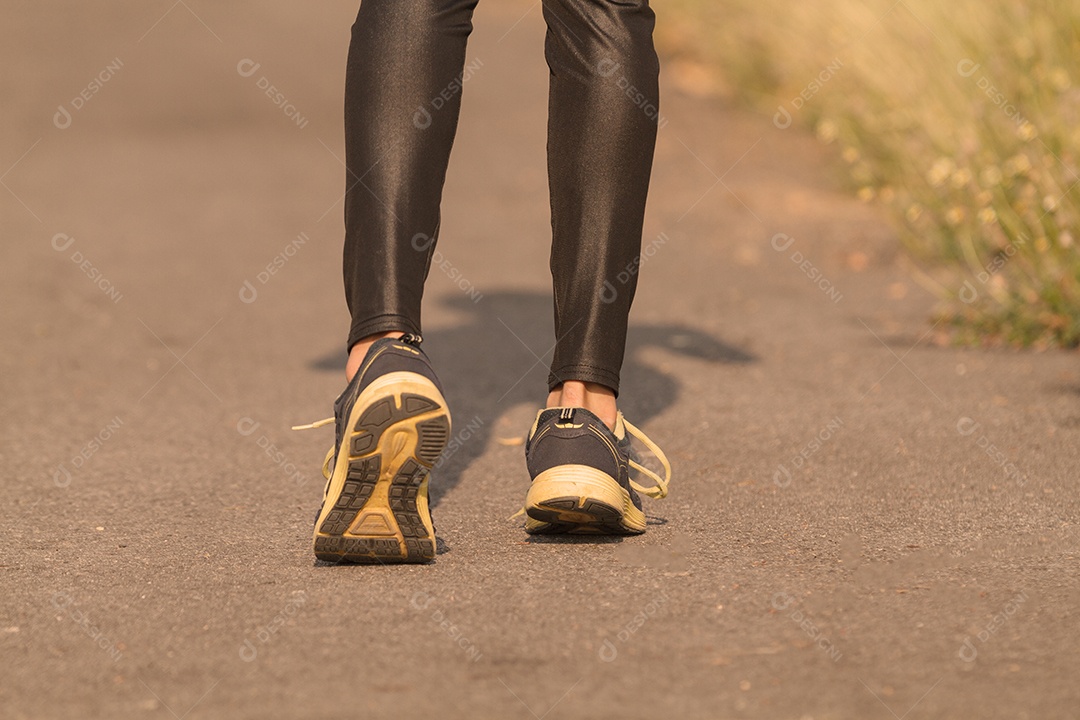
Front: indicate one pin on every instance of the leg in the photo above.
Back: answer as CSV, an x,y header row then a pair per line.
x,y
601,137
597,399
402,96
403,85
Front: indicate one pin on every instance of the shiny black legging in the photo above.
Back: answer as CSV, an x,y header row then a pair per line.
x,y
402,96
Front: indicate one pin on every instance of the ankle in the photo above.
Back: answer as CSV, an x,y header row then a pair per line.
x,y
597,399
360,350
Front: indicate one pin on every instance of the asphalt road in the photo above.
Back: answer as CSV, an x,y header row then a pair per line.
x,y
863,523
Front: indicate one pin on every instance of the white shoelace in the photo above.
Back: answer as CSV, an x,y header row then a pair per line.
x,y
660,490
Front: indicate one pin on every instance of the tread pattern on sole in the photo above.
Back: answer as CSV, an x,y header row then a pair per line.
x,y
363,475
564,515
434,434
366,470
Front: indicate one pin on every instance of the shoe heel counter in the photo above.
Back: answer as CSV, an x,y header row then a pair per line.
x,y
404,358
580,446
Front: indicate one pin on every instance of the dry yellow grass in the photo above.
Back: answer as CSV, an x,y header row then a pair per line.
x,y
962,118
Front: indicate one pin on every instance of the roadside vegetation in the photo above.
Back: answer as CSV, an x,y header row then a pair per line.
x,y
962,119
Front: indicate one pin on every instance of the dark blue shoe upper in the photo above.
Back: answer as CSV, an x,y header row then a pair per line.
x,y
575,436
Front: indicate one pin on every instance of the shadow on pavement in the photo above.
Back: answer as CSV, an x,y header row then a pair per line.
x,y
497,359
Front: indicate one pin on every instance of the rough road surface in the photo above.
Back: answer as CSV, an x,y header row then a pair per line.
x,y
863,523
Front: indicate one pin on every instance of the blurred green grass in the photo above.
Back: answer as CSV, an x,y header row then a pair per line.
x,y
962,119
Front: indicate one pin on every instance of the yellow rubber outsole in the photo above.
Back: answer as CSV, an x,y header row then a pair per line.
x,y
376,508
580,499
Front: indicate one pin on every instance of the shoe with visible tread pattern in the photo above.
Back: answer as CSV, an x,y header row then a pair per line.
x,y
392,425
581,475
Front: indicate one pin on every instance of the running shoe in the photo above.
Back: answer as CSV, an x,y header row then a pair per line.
x,y
392,424
581,475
